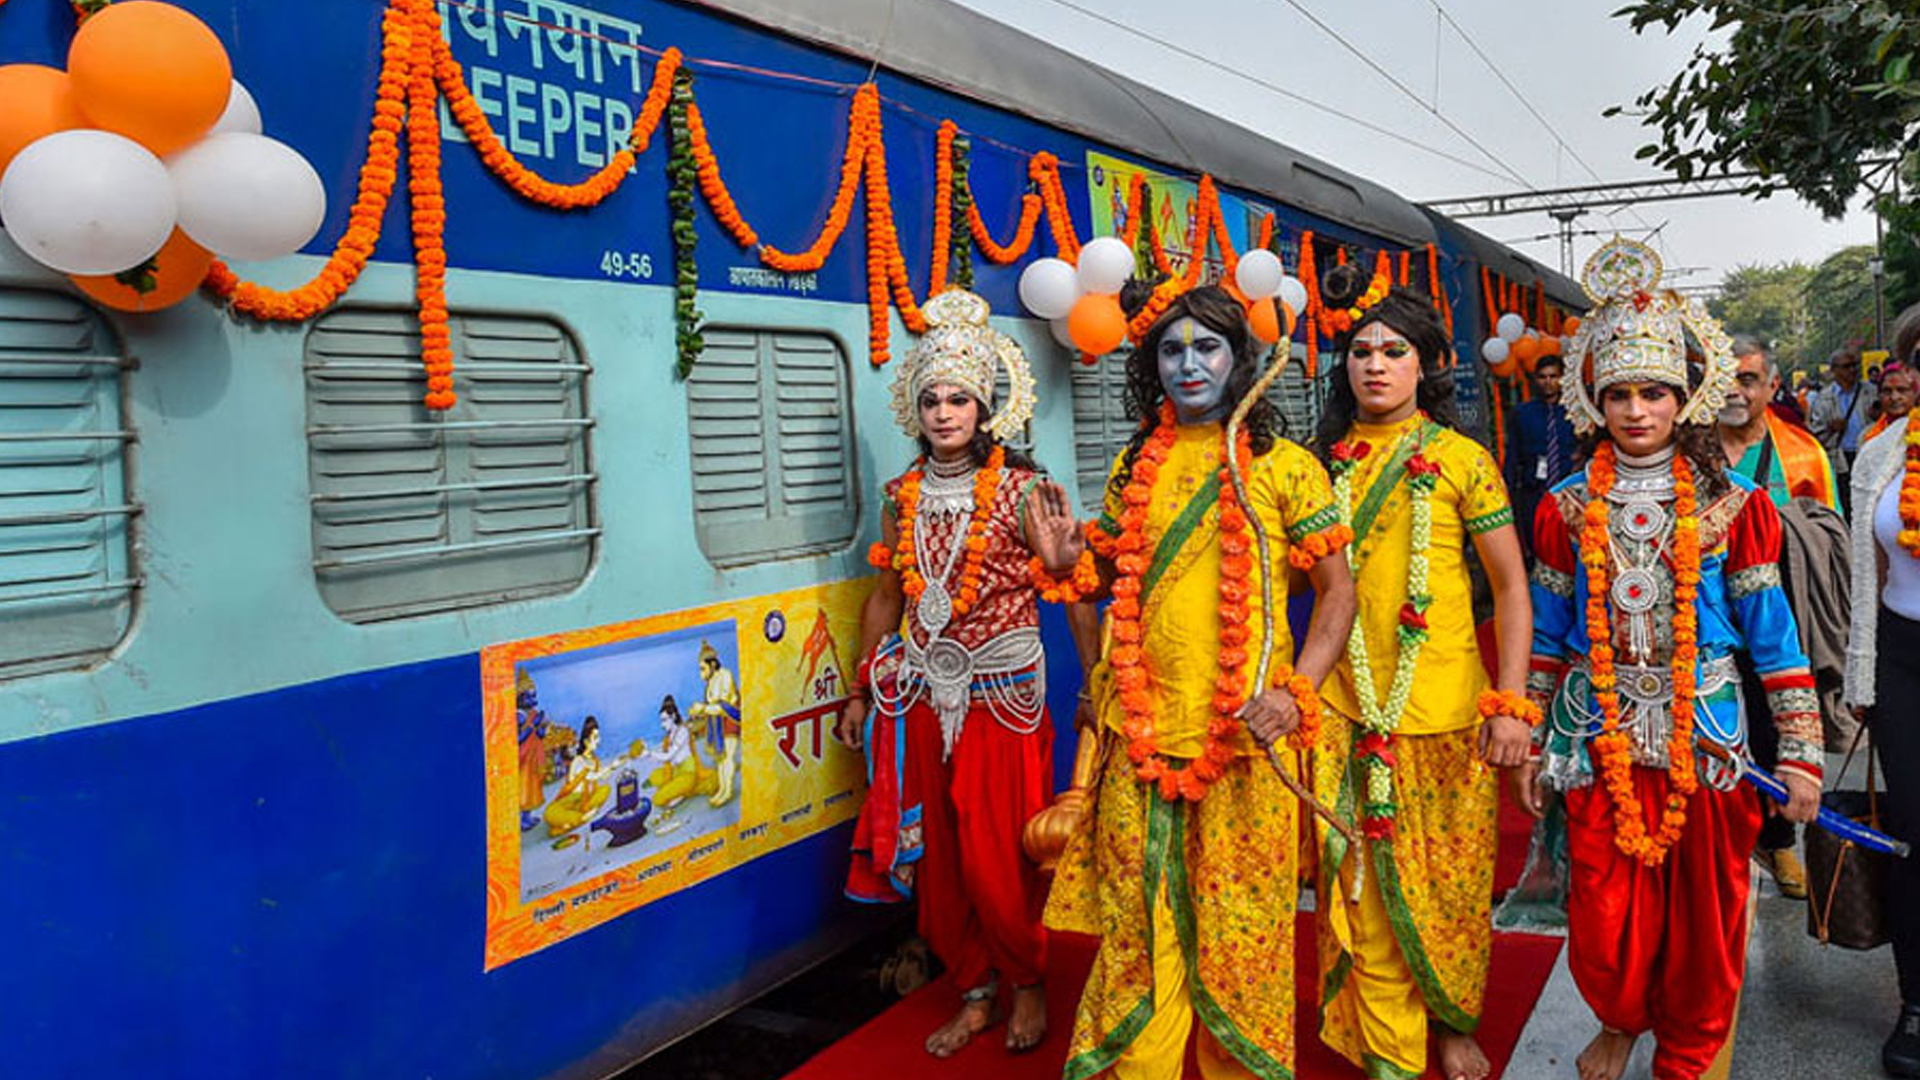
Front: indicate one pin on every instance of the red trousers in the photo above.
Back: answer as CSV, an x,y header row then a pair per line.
x,y
980,896
1662,948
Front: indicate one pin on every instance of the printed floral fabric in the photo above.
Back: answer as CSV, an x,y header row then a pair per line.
x,y
1228,864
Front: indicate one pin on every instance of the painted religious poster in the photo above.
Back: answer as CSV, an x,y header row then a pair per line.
x,y
630,761
1171,200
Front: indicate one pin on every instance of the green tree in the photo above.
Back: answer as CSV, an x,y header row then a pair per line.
x,y
1800,91
1839,302
1769,302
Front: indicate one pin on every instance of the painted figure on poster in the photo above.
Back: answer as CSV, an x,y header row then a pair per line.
x,y
717,717
958,741
531,725
1655,565
1187,867
681,773
583,790
1414,732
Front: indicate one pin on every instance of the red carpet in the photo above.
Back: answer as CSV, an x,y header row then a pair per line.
x,y
892,1045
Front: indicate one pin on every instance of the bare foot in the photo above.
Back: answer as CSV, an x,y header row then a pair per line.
x,y
1461,1057
1605,1058
973,1018
1027,1028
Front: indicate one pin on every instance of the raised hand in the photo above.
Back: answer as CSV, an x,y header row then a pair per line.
x,y
1051,527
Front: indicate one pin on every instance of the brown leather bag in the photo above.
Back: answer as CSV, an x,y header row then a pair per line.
x,y
1847,884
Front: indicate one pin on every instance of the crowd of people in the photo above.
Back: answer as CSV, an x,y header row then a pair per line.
x,y
1667,559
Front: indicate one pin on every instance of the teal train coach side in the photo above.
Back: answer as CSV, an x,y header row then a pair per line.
x,y
246,580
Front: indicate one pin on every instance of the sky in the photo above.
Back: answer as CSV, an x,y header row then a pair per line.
x,y
1569,59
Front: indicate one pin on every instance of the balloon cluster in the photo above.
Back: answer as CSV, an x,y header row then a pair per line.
x,y
1082,302
1264,286
1516,347
130,170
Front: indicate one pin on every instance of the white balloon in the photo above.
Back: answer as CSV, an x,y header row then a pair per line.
x,y
246,196
87,202
1510,327
1259,274
1062,334
1105,264
1048,288
1293,293
242,113
1495,350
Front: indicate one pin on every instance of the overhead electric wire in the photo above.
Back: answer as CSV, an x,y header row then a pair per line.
x,y
1431,107
1291,95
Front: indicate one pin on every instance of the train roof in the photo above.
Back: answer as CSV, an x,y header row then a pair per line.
x,y
1503,260
954,47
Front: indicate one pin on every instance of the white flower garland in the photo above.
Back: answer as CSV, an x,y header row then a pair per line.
x,y
1384,720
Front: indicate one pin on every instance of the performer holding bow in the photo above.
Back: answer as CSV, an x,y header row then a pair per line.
x,y
1187,867
950,696
1411,725
1655,565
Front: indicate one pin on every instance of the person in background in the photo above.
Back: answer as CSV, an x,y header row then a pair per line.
x,y
1787,463
1540,445
1841,412
1899,387
1883,667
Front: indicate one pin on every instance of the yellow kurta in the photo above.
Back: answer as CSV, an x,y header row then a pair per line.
x,y
1414,943
1470,498
1221,873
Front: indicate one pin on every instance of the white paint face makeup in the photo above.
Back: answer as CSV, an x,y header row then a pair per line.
x,y
1194,363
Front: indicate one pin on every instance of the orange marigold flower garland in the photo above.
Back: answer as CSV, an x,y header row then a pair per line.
x,y
1128,657
1492,703
1044,169
863,120
719,199
1082,581
986,488
1613,746
429,211
998,253
1910,488
942,208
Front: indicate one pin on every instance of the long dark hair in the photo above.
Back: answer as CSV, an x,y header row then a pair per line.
x,y
1408,312
1211,307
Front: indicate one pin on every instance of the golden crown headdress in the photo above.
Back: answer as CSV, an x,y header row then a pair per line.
x,y
1639,332
960,349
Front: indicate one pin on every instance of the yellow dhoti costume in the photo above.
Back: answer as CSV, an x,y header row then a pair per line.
x,y
1194,901
1414,943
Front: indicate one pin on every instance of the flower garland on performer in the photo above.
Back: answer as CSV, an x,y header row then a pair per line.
x,y
1380,722
900,557
1128,658
1910,487
1613,746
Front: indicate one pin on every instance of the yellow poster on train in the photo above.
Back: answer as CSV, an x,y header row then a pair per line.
x,y
629,761
1171,201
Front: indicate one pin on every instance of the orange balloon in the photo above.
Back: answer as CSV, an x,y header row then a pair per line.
x,y
178,268
1263,318
39,102
1570,326
1096,323
1505,369
1526,350
1549,346
150,71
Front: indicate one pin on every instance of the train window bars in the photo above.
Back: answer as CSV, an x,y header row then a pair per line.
x,y
487,503
67,578
771,429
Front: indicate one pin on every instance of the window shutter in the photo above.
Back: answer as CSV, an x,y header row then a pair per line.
x,y
66,574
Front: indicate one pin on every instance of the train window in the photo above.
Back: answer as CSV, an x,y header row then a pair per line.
x,y
417,512
1101,426
66,566
772,439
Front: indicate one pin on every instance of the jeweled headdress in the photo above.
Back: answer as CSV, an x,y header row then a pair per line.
x,y
1639,332
960,349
